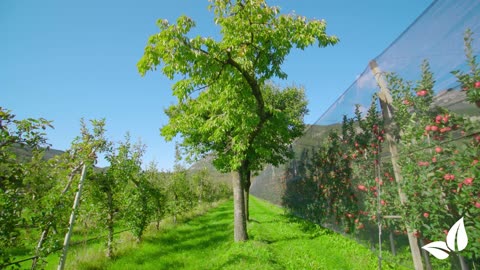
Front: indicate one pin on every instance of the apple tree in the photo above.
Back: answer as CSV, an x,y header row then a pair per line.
x,y
15,134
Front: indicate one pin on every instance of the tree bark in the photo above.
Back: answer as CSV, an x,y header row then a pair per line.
x,y
239,221
175,208
247,195
39,246
110,226
247,212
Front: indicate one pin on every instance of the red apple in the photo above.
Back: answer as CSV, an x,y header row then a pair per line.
x,y
445,118
422,93
468,181
477,84
449,176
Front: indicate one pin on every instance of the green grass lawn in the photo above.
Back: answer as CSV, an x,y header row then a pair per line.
x,y
277,241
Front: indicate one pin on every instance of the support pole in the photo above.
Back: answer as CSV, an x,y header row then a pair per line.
x,y
66,242
392,244
385,99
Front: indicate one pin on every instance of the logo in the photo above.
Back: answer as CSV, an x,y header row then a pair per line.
x,y
457,236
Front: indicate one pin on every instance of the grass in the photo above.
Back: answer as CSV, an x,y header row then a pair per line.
x,y
277,241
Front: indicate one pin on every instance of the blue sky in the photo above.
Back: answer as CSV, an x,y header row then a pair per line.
x,y
64,60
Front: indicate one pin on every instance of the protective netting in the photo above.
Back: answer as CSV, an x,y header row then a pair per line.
x,y
345,176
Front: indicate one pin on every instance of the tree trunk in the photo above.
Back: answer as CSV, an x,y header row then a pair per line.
x,y
247,201
175,208
200,193
247,195
110,226
240,223
39,246
158,216
392,244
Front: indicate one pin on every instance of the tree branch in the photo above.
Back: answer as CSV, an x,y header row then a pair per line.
x,y
252,82
213,81
262,114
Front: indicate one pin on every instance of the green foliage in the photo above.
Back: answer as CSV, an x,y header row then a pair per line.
x,y
224,107
348,181
14,188
470,81
230,109
55,207
128,187
337,178
139,209
108,187
28,132
36,193
439,152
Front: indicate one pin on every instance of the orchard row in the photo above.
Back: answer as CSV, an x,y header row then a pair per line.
x,y
36,193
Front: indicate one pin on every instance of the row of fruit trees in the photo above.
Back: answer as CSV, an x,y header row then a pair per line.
x,y
414,171
37,193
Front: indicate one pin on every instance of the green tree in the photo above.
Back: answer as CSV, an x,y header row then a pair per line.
x,y
221,107
139,206
15,134
82,154
158,192
109,186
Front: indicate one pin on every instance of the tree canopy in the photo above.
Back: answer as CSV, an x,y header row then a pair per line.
x,y
225,106
221,107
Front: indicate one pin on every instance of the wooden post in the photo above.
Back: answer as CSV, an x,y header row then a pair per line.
x,y
392,244
66,242
385,99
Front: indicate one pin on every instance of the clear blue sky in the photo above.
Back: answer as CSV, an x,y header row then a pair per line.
x,y
63,60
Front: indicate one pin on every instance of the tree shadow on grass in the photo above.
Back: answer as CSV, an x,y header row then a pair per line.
x,y
251,220
235,260
308,226
199,234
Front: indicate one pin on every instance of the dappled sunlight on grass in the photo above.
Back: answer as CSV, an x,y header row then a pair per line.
x,y
277,241
204,240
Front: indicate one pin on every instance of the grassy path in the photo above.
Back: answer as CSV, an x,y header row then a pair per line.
x,y
276,242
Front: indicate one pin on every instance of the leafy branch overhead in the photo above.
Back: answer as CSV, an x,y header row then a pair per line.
x,y
221,106
30,132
